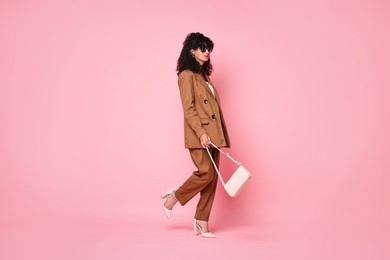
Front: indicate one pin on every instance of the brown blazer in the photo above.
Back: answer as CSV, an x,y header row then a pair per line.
x,y
202,112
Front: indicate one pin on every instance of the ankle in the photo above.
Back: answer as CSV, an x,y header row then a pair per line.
x,y
199,221
202,223
171,201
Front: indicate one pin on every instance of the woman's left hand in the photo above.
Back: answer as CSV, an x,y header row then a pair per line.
x,y
205,140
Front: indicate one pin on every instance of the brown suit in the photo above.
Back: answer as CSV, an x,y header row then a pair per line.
x,y
202,114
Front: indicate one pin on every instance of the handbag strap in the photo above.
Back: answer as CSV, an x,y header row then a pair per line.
x,y
226,154
215,166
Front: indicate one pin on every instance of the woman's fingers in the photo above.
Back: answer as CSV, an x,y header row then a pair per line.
x,y
205,140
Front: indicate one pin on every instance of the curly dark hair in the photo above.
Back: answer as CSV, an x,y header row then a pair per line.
x,y
187,61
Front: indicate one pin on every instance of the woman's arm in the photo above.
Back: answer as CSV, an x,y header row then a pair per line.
x,y
186,86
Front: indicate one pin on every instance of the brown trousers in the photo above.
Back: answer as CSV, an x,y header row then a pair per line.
x,y
204,180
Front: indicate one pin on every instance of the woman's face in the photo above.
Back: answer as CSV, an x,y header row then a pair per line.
x,y
202,55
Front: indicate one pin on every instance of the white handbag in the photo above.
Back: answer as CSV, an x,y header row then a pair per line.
x,y
239,178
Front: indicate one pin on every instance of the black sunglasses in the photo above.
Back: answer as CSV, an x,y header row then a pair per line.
x,y
203,48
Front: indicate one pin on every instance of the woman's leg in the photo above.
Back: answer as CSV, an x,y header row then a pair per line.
x,y
203,180
207,194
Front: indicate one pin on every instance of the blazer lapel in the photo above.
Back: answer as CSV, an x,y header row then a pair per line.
x,y
204,84
216,96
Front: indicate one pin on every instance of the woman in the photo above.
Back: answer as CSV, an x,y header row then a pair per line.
x,y
203,123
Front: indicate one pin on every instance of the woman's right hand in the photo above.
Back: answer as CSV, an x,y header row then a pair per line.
x,y
205,140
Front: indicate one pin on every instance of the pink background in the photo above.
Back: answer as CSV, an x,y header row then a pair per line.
x,y
92,129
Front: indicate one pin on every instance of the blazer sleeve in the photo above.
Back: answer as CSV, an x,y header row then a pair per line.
x,y
186,86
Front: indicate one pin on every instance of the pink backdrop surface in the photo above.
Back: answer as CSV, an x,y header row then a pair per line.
x,y
92,129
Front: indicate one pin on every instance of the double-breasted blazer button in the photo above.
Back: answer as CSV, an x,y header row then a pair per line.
x,y
206,101
213,116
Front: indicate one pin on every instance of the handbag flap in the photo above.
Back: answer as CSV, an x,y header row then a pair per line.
x,y
237,181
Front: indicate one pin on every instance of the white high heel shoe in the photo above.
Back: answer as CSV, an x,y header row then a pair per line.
x,y
198,230
168,212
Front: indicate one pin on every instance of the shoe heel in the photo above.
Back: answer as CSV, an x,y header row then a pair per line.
x,y
196,228
167,212
164,195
